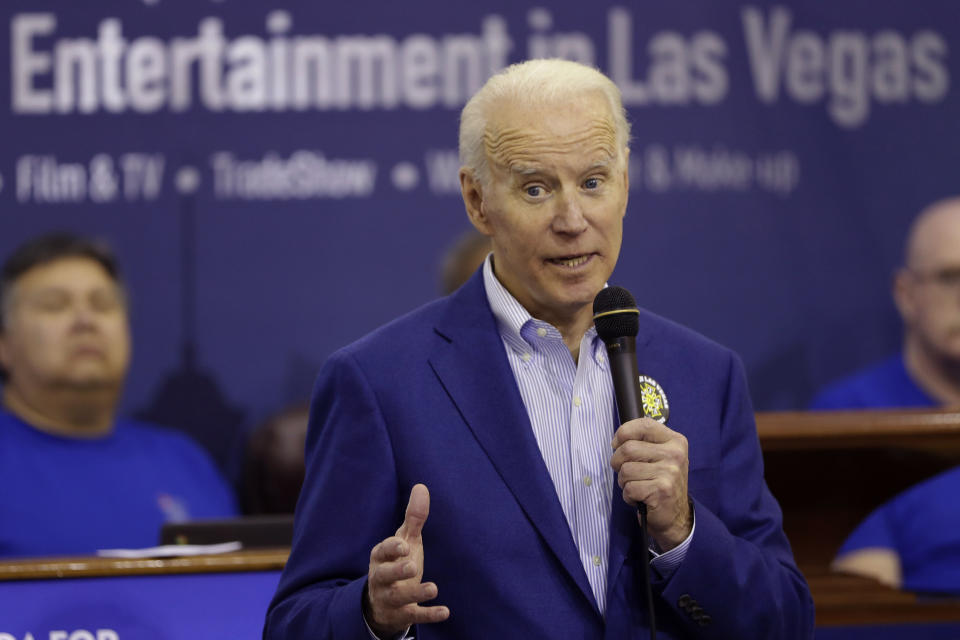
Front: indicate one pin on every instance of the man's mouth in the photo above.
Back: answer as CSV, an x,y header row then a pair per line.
x,y
571,261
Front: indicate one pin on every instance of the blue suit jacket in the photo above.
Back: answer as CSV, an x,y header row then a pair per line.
x,y
431,398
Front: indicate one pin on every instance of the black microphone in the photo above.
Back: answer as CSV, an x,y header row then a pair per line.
x,y
617,318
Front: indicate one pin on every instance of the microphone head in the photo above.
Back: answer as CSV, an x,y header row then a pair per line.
x,y
615,314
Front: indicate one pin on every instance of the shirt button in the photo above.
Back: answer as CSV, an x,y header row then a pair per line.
x,y
596,561
541,332
577,401
600,357
587,480
526,357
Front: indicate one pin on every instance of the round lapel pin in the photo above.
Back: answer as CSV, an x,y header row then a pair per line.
x,y
654,400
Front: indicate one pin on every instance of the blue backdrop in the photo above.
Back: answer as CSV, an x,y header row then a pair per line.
x,y
280,179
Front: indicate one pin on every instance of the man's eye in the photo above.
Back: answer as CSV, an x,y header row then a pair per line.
x,y
104,302
534,191
54,302
948,277
591,183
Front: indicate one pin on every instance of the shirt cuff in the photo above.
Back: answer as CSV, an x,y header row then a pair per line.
x,y
667,563
406,635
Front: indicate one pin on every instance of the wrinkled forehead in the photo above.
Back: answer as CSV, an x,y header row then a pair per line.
x,y
519,137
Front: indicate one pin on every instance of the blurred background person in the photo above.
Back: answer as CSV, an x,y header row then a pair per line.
x,y
76,478
463,257
274,463
926,290
911,542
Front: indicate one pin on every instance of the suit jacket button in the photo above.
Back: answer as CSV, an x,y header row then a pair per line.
x,y
704,620
684,601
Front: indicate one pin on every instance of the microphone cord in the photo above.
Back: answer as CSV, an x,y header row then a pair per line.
x,y
645,553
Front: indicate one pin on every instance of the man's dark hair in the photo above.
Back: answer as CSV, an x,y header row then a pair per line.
x,y
45,249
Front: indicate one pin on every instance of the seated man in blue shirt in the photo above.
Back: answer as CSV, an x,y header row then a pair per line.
x,y
911,542
927,293
75,478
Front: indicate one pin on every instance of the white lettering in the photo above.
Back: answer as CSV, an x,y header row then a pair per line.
x,y
111,46
27,63
75,60
146,70
443,168
845,69
929,51
419,64
306,174
765,47
246,86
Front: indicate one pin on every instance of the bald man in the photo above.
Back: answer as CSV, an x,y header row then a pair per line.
x,y
927,294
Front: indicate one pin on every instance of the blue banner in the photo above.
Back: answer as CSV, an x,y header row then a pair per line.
x,y
280,180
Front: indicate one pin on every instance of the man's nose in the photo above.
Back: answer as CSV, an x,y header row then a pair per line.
x,y
569,216
85,317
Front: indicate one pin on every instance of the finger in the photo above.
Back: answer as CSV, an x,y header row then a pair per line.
x,y
637,472
654,491
389,572
428,615
390,550
636,451
418,508
398,595
645,429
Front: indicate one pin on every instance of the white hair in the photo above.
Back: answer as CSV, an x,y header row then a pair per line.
x,y
533,83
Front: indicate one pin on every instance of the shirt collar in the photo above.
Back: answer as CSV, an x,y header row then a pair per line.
x,y
511,316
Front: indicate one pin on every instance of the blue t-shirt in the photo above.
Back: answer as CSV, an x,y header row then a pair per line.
x,y
72,496
885,385
922,525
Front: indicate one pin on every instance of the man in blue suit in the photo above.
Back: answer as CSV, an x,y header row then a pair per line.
x,y
484,425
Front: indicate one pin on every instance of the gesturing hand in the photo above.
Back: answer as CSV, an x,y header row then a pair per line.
x,y
651,464
394,591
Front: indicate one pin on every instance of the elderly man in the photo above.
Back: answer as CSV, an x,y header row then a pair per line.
x,y
75,478
484,425
927,293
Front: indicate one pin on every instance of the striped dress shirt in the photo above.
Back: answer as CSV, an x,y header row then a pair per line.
x,y
573,414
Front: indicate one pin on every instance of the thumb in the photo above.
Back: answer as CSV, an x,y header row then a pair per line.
x,y
418,508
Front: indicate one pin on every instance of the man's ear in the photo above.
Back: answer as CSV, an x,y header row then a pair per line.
x,y
472,193
903,295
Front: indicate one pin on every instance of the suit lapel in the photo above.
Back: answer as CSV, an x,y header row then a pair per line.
x,y
472,366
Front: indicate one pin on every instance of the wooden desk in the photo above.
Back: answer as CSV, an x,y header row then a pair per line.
x,y
829,470
87,567
223,596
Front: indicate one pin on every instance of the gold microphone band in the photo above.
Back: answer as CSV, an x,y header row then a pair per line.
x,y
614,312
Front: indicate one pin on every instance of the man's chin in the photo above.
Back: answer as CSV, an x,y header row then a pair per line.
x,y
90,383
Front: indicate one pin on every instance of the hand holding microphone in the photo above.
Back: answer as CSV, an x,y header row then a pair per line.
x,y
651,460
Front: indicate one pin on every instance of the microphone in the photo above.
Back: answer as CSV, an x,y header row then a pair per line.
x,y
617,319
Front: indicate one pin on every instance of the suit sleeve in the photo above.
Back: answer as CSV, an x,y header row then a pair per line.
x,y
739,569
348,504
